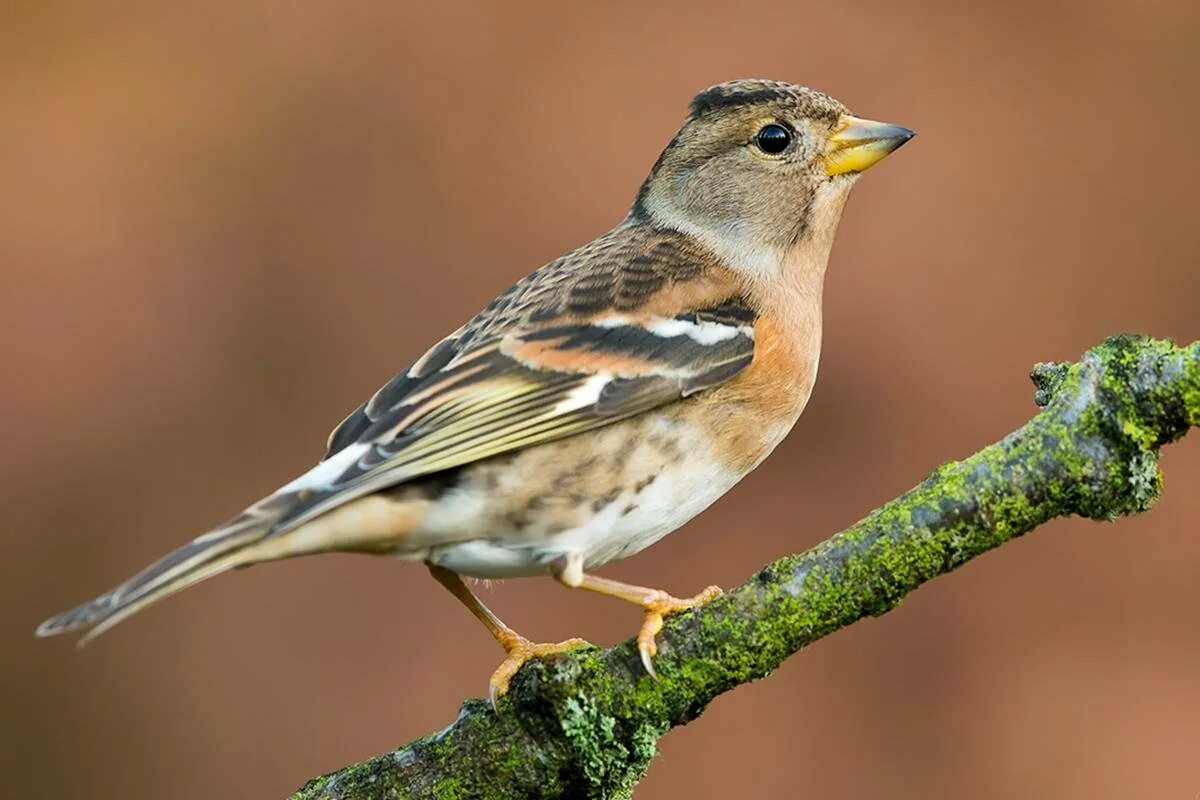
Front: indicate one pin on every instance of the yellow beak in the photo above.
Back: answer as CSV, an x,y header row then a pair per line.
x,y
857,144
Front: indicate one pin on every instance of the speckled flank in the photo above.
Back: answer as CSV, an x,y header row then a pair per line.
x,y
607,496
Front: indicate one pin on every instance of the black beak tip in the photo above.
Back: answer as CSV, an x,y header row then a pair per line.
x,y
900,137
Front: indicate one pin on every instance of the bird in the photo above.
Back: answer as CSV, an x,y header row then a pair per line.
x,y
598,404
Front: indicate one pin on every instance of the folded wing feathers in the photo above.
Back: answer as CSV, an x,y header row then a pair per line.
x,y
486,402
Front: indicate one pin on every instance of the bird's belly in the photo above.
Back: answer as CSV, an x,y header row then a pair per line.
x,y
603,496
630,523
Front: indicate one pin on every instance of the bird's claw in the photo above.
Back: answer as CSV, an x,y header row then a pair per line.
x,y
519,651
655,609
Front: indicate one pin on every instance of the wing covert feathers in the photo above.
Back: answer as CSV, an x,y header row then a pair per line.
x,y
629,322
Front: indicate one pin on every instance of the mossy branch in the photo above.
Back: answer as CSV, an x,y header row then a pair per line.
x,y
586,723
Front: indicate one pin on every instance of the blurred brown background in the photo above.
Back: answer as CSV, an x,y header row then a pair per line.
x,y
224,224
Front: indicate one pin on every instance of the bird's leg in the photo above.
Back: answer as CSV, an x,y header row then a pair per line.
x,y
519,648
655,603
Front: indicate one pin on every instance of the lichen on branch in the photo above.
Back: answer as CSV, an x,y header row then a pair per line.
x,y
586,723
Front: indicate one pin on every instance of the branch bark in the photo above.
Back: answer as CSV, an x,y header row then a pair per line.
x,y
586,723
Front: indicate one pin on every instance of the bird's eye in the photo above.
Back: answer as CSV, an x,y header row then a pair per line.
x,y
773,139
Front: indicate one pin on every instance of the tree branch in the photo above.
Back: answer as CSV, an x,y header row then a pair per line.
x,y
586,723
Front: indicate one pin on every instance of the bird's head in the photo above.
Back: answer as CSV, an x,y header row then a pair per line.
x,y
759,167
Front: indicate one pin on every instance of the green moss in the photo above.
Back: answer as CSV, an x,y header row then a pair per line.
x,y
1141,436
1145,479
609,768
1048,377
591,736
369,780
451,788
645,743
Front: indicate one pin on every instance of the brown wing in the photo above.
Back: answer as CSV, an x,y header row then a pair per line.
x,y
613,330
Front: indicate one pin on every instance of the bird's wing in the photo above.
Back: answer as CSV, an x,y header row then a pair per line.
x,y
591,339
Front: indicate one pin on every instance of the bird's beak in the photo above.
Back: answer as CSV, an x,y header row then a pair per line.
x,y
857,144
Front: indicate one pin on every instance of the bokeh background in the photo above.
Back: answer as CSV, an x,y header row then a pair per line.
x,y
223,224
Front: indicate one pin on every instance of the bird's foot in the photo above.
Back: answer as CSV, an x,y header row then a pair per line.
x,y
656,606
519,651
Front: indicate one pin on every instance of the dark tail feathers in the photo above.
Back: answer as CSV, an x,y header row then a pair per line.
x,y
212,553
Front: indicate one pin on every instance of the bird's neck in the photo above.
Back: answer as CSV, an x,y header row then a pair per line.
x,y
793,305
791,296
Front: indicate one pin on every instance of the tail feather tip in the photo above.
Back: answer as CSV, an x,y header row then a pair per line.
x,y
80,617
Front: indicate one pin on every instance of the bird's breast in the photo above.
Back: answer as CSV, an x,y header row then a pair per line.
x,y
754,411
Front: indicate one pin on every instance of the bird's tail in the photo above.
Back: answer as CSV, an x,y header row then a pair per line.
x,y
221,549
312,514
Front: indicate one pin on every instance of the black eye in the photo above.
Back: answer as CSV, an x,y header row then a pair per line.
x,y
773,139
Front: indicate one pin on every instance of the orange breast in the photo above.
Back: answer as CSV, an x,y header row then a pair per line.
x,y
752,413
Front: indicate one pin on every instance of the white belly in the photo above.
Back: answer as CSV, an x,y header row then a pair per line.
x,y
610,534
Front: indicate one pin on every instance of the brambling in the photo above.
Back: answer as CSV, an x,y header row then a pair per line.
x,y
603,400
